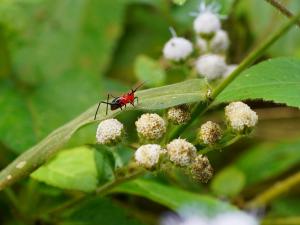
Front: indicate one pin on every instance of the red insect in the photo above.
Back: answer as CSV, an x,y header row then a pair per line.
x,y
119,102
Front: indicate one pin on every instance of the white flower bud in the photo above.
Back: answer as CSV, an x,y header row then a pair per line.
x,y
210,133
207,23
179,114
202,44
220,42
239,116
109,131
234,218
177,48
151,126
181,152
148,155
201,169
211,66
229,70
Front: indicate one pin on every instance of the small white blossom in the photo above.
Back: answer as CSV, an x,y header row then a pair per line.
x,y
234,218
220,42
181,152
211,66
195,216
177,48
192,220
210,132
229,70
151,126
109,131
207,23
239,116
148,155
179,114
202,44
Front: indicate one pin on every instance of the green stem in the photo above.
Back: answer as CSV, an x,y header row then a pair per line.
x,y
228,143
282,9
102,190
110,185
274,191
202,107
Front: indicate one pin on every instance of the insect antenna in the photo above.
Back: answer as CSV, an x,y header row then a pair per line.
x,y
140,85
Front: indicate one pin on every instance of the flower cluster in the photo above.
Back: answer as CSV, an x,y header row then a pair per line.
x,y
151,128
211,44
179,152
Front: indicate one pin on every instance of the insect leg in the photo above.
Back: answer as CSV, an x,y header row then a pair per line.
x,y
107,103
97,110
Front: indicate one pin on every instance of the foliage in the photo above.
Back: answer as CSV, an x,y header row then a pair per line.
x,y
276,80
59,58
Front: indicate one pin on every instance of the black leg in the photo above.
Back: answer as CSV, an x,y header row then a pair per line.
x,y
107,103
97,110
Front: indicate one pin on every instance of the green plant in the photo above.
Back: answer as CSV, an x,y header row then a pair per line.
x,y
166,157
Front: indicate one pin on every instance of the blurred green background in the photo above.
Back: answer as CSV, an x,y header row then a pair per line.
x,y
59,57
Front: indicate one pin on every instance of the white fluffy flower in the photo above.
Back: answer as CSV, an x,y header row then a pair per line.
x,y
239,116
177,48
210,132
201,169
211,66
234,218
220,42
198,218
229,70
181,152
151,126
179,114
109,131
207,23
148,155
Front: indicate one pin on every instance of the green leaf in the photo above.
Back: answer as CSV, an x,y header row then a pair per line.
x,y
105,163
64,38
99,211
149,71
229,182
267,161
156,98
65,46
179,2
167,96
285,206
274,80
172,197
70,169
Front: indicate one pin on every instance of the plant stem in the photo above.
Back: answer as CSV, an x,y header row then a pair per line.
x,y
102,190
230,142
202,107
281,8
110,185
274,191
281,221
